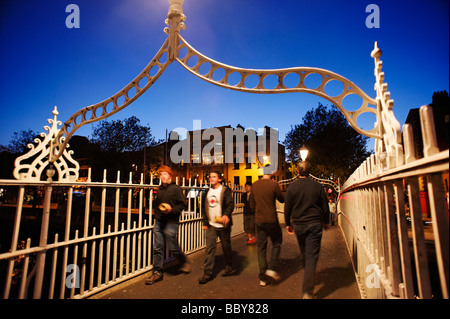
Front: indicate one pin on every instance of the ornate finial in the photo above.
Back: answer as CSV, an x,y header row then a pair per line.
x,y
55,113
176,8
376,52
175,22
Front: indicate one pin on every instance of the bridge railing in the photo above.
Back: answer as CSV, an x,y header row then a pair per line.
x,y
75,239
395,221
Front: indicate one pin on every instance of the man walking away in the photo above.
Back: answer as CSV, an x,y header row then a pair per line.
x,y
306,214
265,192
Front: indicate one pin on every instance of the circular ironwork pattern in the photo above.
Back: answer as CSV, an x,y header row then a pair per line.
x,y
237,79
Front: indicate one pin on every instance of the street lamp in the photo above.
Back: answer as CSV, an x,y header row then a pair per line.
x,y
303,153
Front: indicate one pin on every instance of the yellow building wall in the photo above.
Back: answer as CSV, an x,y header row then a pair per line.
x,y
243,172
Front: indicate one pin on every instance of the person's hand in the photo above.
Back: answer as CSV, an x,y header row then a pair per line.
x,y
290,230
165,208
225,220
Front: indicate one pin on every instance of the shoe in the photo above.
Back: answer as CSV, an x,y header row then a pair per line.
x,y
253,241
263,283
229,270
186,268
272,274
309,296
155,277
206,277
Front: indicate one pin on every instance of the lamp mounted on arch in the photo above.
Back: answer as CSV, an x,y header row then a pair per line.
x,y
303,153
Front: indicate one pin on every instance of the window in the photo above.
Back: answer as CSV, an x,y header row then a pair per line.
x,y
247,164
236,164
236,180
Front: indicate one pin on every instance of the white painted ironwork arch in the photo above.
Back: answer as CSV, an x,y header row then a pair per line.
x,y
386,128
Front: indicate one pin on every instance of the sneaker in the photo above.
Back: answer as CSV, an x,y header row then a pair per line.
x,y
309,296
186,268
229,270
272,274
155,277
253,241
262,283
206,277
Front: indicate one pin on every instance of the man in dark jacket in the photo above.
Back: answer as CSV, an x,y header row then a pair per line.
x,y
169,204
217,207
265,192
306,208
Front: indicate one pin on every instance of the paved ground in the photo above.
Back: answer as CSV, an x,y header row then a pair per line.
x,y
335,278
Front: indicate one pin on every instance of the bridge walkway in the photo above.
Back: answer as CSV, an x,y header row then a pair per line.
x,y
335,278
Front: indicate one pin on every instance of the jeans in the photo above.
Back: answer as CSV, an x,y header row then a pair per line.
x,y
263,232
309,238
166,233
211,237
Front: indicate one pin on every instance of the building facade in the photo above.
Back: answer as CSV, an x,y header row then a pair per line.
x,y
238,154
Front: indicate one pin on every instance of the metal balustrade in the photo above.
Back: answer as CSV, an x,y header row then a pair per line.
x,y
89,242
398,244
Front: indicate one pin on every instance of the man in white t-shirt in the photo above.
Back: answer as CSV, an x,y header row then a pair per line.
x,y
217,207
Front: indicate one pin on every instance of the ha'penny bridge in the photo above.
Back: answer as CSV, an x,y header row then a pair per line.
x,y
385,244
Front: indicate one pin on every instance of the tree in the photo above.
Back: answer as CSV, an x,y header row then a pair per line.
x,y
124,146
122,135
20,140
17,146
335,148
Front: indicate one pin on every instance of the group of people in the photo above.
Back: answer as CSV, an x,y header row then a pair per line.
x,y
306,214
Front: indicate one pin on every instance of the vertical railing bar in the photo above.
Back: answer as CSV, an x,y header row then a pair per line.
x,y
14,239
87,208
394,254
130,198
40,258
141,201
403,240
141,212
108,255
23,280
92,268
53,270
121,252
66,238
75,269
428,130
383,227
150,232
150,247
419,245
116,228
133,249
101,232
144,248
439,216
127,248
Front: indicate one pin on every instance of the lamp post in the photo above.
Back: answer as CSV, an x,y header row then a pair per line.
x,y
303,156
303,153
